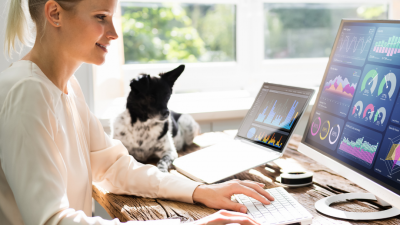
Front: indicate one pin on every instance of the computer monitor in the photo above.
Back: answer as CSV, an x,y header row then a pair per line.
x,y
354,126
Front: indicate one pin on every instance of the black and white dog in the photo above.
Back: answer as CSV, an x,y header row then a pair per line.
x,y
147,128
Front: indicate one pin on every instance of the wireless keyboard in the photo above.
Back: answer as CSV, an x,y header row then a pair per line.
x,y
284,210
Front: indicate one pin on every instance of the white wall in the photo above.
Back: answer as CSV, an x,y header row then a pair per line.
x,y
83,74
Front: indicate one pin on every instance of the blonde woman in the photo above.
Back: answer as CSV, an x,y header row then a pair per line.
x,y
52,147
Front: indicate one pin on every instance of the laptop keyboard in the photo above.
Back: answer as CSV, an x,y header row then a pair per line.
x,y
284,210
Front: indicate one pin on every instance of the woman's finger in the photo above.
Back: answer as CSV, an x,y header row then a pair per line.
x,y
256,187
242,189
239,220
234,206
232,213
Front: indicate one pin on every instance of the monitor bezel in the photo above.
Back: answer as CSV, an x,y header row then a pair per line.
x,y
371,178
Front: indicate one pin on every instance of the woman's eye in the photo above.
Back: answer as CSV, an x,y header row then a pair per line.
x,y
101,17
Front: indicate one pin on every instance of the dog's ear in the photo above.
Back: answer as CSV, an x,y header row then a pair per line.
x,y
172,75
140,84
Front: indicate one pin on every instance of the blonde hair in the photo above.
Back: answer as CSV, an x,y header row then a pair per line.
x,y
18,24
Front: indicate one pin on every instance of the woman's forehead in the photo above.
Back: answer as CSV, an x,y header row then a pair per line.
x,y
100,5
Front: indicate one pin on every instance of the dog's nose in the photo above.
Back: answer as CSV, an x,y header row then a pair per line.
x,y
165,113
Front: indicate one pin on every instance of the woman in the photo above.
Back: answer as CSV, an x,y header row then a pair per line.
x,y
52,147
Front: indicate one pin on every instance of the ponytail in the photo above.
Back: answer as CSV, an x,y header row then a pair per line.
x,y
17,21
17,27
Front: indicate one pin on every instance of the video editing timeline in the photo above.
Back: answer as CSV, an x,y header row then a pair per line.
x,y
368,116
374,98
281,109
325,130
339,89
273,115
386,46
388,160
354,44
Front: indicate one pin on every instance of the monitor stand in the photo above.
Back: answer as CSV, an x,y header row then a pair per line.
x,y
323,207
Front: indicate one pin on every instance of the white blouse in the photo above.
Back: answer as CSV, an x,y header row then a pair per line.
x,y
52,148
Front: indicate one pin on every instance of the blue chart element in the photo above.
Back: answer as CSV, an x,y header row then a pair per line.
x,y
325,130
354,44
276,121
396,112
339,88
359,144
262,115
251,132
387,164
375,96
281,110
386,46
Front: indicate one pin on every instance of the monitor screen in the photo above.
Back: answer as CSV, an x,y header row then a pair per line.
x,y
356,117
274,115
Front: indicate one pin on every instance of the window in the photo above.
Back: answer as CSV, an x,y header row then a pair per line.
x,y
308,30
178,32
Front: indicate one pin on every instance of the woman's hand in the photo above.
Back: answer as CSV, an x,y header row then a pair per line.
x,y
225,217
218,196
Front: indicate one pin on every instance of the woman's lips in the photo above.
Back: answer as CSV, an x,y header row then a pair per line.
x,y
102,47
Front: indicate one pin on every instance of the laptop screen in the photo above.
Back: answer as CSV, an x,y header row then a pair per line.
x,y
274,115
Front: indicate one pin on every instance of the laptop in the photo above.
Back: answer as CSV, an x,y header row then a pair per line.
x,y
261,138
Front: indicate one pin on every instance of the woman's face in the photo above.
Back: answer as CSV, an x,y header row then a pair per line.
x,y
88,30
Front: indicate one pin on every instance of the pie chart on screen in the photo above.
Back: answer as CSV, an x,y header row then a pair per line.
x,y
251,132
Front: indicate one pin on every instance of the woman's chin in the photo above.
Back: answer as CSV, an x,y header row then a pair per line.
x,y
99,61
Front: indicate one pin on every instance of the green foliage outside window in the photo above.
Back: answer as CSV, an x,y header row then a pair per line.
x,y
309,30
178,32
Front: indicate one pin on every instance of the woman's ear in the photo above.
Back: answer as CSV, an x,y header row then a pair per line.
x,y
53,13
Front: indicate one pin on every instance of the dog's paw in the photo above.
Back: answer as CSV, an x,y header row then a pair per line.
x,y
163,166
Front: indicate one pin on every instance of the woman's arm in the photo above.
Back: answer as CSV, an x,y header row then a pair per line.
x,y
118,172
31,161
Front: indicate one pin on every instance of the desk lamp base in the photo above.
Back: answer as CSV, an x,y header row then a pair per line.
x,y
323,207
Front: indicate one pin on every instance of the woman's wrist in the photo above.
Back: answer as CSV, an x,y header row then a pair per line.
x,y
199,193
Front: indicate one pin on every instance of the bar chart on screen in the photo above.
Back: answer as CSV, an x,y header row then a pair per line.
x,y
281,110
386,46
275,139
359,144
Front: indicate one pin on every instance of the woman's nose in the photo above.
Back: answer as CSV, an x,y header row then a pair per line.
x,y
112,34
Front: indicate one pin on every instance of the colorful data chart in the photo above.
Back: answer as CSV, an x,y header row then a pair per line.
x,y
375,96
359,144
353,45
339,89
388,161
386,46
273,139
325,130
281,110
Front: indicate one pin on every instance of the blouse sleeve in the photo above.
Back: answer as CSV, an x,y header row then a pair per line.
x,y
118,172
31,161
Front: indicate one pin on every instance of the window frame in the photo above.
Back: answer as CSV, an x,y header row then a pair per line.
x,y
250,67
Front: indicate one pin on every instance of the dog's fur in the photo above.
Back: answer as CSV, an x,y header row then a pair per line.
x,y
147,128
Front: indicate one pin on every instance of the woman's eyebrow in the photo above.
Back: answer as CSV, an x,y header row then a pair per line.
x,y
106,11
